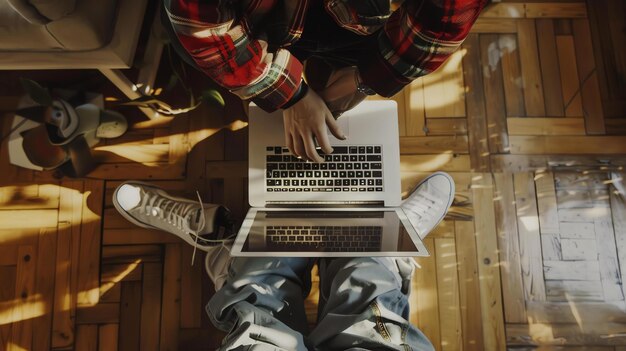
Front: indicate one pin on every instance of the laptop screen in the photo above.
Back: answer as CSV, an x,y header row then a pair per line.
x,y
328,231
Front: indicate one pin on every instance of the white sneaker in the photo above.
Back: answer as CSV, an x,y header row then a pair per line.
x,y
216,263
150,207
429,202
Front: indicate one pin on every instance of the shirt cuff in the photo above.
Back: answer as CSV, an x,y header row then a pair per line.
x,y
302,90
287,84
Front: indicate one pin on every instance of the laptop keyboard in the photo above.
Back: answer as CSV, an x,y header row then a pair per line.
x,y
347,169
325,238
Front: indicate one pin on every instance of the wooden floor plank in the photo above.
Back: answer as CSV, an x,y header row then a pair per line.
x,y
108,337
568,145
563,26
475,100
547,204
433,145
607,257
170,315
469,287
402,101
68,240
523,163
546,126
7,293
444,89
570,84
22,329
581,313
44,286
572,290
549,61
448,291
590,88
29,196
555,10
191,301
416,114
23,219
130,315
572,270
102,313
433,163
512,76
86,337
488,268
151,306
90,240
446,126
566,334
115,273
8,255
615,126
494,25
124,153
508,243
178,146
618,212
504,10
531,69
493,84
132,254
146,171
530,240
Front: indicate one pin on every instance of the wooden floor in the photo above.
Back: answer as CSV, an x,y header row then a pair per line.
x,y
525,117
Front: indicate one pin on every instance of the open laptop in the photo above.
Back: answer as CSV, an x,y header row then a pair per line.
x,y
346,206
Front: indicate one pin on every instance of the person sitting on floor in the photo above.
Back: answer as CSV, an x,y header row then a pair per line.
x,y
259,301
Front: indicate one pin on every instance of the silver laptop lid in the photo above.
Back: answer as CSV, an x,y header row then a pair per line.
x,y
372,142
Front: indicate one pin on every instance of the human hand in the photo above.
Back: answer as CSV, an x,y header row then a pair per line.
x,y
340,93
308,119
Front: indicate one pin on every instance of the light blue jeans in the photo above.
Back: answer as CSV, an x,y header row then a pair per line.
x,y
363,305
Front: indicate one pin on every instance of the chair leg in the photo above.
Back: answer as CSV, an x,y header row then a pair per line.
x,y
127,87
147,73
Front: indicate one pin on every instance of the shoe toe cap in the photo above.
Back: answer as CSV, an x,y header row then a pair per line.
x,y
128,196
442,182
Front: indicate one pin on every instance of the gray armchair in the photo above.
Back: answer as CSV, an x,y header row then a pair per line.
x,y
62,34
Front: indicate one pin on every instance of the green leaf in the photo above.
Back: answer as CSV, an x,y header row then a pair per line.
x,y
36,92
213,96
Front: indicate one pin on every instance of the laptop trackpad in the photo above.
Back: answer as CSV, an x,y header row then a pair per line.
x,y
344,125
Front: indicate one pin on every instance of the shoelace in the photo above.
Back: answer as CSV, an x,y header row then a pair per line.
x,y
178,215
423,202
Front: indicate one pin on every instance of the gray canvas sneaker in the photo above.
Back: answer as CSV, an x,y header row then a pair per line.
x,y
429,202
148,206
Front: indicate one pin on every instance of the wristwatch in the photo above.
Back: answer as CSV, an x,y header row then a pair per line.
x,y
362,87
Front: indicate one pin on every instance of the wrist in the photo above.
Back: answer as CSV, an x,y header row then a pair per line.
x,y
297,96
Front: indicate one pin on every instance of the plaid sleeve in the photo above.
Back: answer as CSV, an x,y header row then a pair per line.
x,y
416,40
224,49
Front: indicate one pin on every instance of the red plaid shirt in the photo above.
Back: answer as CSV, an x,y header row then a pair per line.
x,y
231,41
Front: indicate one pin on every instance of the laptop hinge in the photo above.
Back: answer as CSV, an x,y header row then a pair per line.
x,y
334,204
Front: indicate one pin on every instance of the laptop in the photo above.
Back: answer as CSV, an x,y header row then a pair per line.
x,y
347,206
